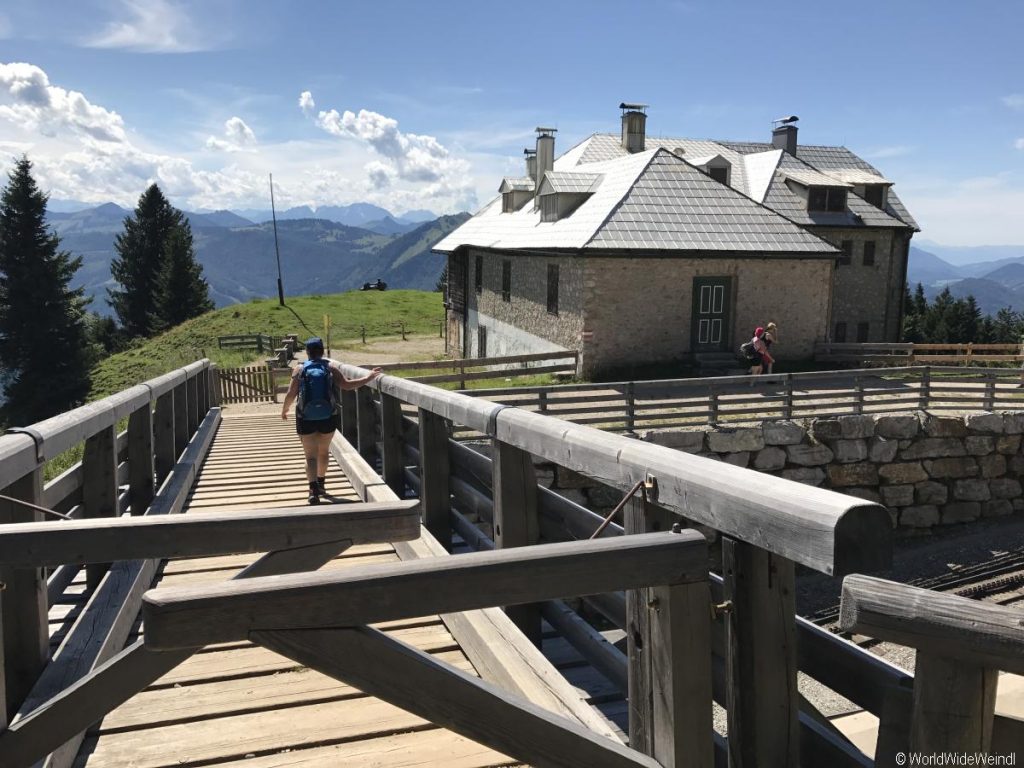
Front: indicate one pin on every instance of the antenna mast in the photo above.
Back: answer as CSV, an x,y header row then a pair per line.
x,y
277,250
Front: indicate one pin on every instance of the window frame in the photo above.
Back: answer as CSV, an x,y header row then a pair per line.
x,y
833,196
553,286
478,275
863,332
839,333
869,262
506,280
481,341
846,257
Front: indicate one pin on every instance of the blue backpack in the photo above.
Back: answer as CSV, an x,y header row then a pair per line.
x,y
316,391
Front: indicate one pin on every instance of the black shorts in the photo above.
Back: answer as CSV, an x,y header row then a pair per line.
x,y
321,426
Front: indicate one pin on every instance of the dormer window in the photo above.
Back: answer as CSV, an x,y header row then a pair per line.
x,y
515,193
562,192
875,194
831,199
715,166
719,174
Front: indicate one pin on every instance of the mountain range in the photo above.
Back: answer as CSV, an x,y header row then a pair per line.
x,y
995,283
318,253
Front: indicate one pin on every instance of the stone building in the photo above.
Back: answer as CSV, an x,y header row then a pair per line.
x,y
635,250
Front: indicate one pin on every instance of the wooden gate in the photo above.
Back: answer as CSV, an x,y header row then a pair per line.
x,y
251,384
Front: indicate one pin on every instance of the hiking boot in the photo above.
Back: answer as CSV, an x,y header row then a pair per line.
x,y
314,498
321,485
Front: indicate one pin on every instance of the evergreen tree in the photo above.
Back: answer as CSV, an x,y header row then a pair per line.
x,y
920,302
139,262
183,293
442,282
43,348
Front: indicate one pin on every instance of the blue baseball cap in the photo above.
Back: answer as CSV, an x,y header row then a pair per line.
x,y
315,343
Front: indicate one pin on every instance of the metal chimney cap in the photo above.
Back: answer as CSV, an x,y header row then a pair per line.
x,y
633,107
529,151
785,120
545,131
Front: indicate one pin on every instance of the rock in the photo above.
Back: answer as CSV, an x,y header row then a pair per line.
x,y
942,426
807,455
849,451
933,448
984,423
545,477
971,490
706,455
908,472
897,495
996,508
770,458
603,497
1008,444
841,475
868,494
688,440
574,495
1017,464
992,466
961,512
733,440
826,429
805,475
930,492
782,433
897,426
566,478
952,468
881,450
979,445
1013,423
924,516
856,427
738,459
1005,488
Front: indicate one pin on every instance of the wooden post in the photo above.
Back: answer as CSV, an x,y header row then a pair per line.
x,y
435,473
858,397
762,700
163,437
894,725
366,423
214,382
630,409
140,459
712,404
349,423
193,405
954,705
99,487
542,402
25,647
181,432
925,387
393,464
970,353
990,392
462,373
787,397
515,519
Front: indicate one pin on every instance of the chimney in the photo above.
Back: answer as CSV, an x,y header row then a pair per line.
x,y
545,159
634,127
784,134
531,163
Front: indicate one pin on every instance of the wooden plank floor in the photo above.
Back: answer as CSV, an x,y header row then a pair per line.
x,y
238,703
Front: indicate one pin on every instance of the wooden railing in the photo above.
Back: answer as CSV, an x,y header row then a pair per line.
x,y
256,342
915,354
630,406
250,384
479,368
145,470
765,533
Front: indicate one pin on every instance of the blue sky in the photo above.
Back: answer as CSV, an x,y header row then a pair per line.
x,y
427,104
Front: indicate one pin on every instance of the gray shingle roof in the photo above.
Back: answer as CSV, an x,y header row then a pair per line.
x,y
521,184
571,182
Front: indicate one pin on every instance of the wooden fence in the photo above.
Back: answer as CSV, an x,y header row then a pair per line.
x,y
147,471
882,353
633,405
257,342
479,368
251,384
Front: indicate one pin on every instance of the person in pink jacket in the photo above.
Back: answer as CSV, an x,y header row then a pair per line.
x,y
764,358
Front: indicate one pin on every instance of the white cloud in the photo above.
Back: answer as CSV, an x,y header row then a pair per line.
x,y
380,174
1019,144
238,137
306,103
898,150
29,101
153,26
975,211
1014,101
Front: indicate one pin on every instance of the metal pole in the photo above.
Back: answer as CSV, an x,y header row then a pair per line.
x,y
277,250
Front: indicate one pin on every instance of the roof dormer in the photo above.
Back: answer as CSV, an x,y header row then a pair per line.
x,y
823,193
560,193
515,193
715,166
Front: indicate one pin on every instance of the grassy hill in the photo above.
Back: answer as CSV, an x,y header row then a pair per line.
x,y
380,311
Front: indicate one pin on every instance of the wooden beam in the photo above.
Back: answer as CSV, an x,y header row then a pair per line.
x,y
391,438
366,419
515,519
99,488
141,488
411,679
24,630
954,705
940,624
763,706
164,453
192,396
349,416
435,470
182,617
54,724
181,430
129,538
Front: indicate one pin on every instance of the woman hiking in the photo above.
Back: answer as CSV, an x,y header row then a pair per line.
x,y
316,415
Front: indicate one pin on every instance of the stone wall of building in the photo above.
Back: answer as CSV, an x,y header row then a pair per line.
x,y
927,469
639,310
523,324
868,294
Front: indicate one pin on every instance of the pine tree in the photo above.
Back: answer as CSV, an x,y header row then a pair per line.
x,y
44,352
183,293
141,248
920,302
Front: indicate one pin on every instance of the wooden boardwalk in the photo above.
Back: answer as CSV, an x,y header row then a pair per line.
x,y
238,702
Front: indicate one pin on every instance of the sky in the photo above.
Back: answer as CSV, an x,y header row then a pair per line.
x,y
427,105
